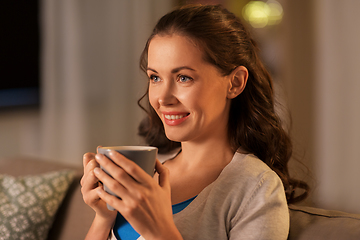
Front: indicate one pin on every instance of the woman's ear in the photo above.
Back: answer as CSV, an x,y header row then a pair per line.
x,y
237,81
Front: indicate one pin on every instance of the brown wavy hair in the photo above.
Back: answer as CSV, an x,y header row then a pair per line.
x,y
253,123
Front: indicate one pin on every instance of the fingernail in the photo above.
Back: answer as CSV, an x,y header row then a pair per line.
x,y
98,157
96,170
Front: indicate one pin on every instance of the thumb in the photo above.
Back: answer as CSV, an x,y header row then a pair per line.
x,y
164,175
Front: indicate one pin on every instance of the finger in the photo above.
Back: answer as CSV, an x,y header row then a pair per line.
x,y
164,175
89,181
87,157
110,182
88,169
131,187
109,199
90,197
89,164
130,167
105,163
118,167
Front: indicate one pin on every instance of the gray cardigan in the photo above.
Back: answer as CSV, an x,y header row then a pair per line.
x,y
247,201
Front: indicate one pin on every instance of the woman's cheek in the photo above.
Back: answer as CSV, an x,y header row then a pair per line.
x,y
152,100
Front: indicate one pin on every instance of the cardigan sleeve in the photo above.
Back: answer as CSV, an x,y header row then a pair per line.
x,y
265,215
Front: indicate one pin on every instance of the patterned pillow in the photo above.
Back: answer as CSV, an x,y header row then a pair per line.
x,y
28,204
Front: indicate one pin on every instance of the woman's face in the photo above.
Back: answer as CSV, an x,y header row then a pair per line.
x,y
188,94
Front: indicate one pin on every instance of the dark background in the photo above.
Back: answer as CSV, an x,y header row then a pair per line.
x,y
19,53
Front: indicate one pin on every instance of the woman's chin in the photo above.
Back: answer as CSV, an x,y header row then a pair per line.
x,y
174,137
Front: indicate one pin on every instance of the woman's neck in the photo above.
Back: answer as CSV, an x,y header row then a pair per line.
x,y
195,167
208,154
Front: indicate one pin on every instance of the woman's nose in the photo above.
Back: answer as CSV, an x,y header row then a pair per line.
x,y
167,95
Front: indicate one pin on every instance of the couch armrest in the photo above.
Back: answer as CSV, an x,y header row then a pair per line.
x,y
307,223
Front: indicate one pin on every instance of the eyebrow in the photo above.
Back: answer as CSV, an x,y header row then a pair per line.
x,y
175,70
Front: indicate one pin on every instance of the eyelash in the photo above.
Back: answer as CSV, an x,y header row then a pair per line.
x,y
151,78
184,76
178,79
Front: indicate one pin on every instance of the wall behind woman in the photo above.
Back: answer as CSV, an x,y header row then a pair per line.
x,y
91,76
322,84
90,79
337,109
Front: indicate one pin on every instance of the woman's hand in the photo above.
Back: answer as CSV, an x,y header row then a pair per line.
x,y
144,202
89,186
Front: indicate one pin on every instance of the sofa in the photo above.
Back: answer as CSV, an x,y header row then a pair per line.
x,y
72,217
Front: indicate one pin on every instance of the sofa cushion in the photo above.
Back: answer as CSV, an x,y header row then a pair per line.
x,y
74,217
28,204
307,223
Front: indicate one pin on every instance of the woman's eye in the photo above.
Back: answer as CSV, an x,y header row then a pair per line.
x,y
183,78
154,78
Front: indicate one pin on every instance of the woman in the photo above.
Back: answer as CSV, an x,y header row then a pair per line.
x,y
211,96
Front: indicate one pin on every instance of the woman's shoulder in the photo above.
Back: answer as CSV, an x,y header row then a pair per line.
x,y
245,188
247,166
243,175
246,178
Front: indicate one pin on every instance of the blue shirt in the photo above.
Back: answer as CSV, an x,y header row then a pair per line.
x,y
124,231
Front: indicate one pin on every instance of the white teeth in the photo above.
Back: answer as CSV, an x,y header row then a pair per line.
x,y
174,117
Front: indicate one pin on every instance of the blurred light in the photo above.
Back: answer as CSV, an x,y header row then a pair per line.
x,y
261,14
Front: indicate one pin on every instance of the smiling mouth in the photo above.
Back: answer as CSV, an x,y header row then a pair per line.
x,y
175,117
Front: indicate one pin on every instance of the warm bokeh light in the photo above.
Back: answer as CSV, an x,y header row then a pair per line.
x,y
261,14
